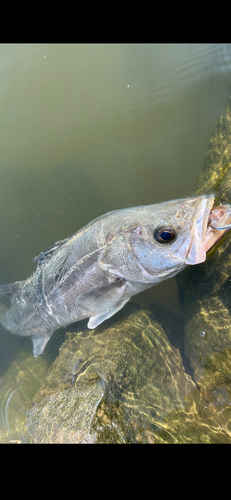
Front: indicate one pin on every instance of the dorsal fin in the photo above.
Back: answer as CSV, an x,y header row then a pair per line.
x,y
49,252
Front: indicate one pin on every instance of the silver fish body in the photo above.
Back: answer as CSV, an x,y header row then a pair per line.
x,y
93,273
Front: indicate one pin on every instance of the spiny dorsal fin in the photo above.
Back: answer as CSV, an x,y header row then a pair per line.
x,y
46,254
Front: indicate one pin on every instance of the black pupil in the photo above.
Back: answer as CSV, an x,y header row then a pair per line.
x,y
164,235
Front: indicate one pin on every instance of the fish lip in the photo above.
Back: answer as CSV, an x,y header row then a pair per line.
x,y
218,225
207,229
197,247
219,216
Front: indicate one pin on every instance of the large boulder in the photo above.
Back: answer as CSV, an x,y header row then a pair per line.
x,y
113,384
206,416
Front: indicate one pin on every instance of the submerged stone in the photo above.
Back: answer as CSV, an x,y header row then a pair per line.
x,y
17,389
114,384
206,417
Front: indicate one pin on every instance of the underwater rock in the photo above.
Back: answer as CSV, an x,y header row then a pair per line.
x,y
205,289
206,417
110,385
17,389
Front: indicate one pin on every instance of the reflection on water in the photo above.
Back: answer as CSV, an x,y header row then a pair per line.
x,y
89,128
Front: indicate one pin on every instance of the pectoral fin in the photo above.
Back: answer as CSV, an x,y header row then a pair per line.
x,y
104,301
102,298
95,321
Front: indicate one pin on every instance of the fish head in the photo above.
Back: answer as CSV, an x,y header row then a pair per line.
x,y
159,240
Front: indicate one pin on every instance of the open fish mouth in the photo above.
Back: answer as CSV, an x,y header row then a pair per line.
x,y
219,223
211,223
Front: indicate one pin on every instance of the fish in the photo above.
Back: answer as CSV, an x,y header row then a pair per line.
x,y
94,272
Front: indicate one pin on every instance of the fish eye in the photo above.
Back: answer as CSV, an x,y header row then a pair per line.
x,y
164,235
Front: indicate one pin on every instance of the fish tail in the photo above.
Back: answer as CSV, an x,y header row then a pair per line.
x,y
11,289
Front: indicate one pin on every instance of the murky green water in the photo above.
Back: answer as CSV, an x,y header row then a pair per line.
x,y
85,129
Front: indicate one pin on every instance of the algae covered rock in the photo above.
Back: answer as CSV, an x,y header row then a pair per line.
x,y
206,417
114,384
17,389
205,289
